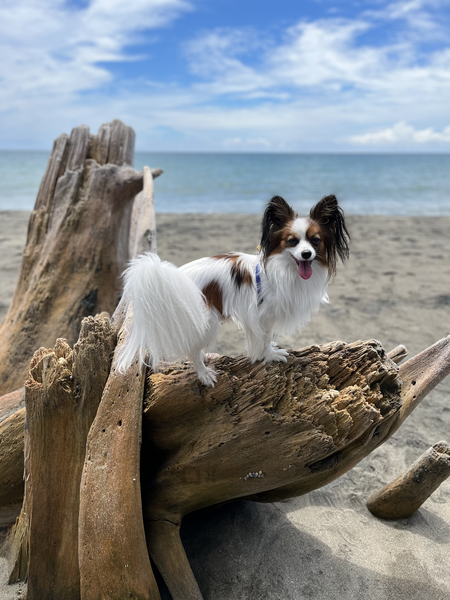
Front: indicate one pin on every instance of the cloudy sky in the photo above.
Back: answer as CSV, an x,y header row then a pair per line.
x,y
229,75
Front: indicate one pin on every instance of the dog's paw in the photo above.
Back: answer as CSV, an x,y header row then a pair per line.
x,y
276,355
207,376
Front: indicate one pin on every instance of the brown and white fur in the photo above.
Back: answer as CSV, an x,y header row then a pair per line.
x,y
177,312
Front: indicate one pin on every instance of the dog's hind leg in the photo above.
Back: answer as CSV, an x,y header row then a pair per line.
x,y
207,375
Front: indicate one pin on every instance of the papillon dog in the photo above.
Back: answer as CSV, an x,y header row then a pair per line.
x,y
175,313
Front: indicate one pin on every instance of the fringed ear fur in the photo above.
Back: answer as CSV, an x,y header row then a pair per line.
x,y
277,214
330,216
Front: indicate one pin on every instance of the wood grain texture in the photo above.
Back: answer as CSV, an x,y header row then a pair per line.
x,y
114,561
62,396
77,245
262,429
11,458
264,433
12,402
143,223
402,497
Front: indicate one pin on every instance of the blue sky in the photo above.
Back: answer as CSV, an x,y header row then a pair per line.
x,y
228,75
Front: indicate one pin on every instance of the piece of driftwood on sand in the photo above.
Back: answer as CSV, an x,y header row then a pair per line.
x,y
263,433
402,497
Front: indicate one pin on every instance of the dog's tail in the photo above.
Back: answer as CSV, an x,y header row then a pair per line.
x,y
166,314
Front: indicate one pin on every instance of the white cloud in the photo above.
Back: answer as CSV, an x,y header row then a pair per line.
x,y
402,132
325,86
323,56
50,48
419,15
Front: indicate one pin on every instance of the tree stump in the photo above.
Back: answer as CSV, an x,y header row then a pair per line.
x,y
77,245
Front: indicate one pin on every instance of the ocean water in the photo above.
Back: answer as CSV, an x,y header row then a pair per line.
x,y
384,184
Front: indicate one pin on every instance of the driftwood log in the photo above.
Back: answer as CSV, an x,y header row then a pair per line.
x,y
264,433
114,462
77,246
402,497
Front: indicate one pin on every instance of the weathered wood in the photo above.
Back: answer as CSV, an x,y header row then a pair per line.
x,y
405,495
77,246
264,433
62,396
121,144
421,374
11,458
48,183
398,354
143,223
12,420
16,549
12,402
263,427
114,144
113,557
169,556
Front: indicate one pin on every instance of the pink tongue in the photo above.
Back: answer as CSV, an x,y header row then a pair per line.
x,y
304,269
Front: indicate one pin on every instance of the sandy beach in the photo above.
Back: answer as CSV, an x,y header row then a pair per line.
x,y
326,545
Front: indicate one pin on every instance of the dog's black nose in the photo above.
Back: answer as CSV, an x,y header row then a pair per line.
x,y
306,254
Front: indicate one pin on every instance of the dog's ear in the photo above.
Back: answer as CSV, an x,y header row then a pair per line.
x,y
330,216
277,214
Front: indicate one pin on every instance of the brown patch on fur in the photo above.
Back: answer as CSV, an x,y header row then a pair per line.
x,y
279,241
213,294
228,256
277,219
330,217
314,230
239,274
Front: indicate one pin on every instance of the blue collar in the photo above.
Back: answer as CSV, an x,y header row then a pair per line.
x,y
258,284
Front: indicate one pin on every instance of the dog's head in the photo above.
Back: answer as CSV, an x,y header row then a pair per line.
x,y
321,237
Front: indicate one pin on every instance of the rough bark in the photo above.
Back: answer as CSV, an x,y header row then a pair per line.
x,y
268,432
77,245
405,495
263,427
62,396
264,433
112,549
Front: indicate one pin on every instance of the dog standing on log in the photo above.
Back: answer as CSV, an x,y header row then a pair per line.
x,y
176,313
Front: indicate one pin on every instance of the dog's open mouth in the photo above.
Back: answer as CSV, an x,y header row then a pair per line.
x,y
304,268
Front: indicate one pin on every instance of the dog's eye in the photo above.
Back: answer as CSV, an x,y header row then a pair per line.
x,y
315,241
293,242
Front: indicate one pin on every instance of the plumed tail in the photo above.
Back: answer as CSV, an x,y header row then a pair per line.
x,y
166,314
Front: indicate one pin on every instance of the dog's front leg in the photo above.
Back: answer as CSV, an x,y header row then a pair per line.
x,y
261,347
